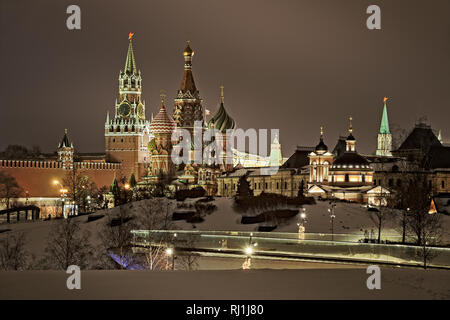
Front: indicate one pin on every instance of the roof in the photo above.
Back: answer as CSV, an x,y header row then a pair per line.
x,y
188,83
162,123
384,126
298,159
130,63
350,158
438,157
65,143
321,146
422,137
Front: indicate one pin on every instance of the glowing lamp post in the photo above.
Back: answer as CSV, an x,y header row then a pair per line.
x,y
332,216
301,224
170,253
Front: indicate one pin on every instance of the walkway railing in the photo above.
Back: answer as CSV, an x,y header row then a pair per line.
x,y
311,246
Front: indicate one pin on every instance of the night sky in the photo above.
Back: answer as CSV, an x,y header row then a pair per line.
x,y
292,65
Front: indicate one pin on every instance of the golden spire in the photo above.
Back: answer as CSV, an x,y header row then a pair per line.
x,y
221,94
350,128
321,131
65,131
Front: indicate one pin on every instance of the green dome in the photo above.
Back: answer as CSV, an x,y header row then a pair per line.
x,y
221,120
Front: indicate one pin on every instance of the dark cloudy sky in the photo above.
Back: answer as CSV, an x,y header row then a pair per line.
x,y
287,64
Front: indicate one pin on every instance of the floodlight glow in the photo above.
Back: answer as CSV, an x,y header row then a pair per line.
x,y
249,250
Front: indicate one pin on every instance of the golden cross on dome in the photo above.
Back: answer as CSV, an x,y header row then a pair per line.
x,y
321,130
162,95
350,128
221,93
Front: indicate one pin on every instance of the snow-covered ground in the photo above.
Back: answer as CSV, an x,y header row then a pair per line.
x,y
318,283
350,219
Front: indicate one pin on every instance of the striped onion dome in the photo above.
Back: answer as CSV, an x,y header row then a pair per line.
x,y
221,120
162,123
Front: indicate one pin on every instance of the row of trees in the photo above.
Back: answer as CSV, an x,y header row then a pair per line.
x,y
68,244
408,209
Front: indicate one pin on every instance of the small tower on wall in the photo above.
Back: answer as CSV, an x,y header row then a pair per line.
x,y
127,132
384,147
188,104
65,152
276,157
162,127
319,162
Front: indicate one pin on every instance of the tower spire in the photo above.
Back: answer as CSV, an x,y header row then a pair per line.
x,y
384,147
130,63
384,126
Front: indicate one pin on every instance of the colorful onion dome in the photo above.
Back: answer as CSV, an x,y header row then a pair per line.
x,y
162,123
221,121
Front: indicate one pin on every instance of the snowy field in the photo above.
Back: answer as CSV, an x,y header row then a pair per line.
x,y
307,283
350,219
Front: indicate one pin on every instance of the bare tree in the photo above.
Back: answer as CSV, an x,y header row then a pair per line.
x,y
383,213
414,198
80,187
430,235
67,245
155,214
13,255
189,259
9,188
116,235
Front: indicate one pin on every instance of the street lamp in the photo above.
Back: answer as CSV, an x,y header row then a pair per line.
x,y
170,253
332,216
63,193
301,224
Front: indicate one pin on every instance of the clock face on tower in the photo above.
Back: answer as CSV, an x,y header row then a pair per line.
x,y
140,111
124,109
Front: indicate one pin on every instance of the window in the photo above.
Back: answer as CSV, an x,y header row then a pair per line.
x,y
443,184
391,182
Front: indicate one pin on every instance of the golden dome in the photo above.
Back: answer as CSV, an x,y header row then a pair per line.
x,y
188,51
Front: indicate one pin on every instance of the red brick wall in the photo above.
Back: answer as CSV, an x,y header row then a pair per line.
x,y
39,181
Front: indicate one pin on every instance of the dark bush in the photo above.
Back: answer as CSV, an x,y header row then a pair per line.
x,y
197,192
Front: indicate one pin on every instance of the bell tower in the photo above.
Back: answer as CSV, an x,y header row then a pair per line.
x,y
127,133
188,104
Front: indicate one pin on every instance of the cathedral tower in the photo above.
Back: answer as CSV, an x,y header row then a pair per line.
x,y
162,126
320,161
222,122
127,133
188,104
384,136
